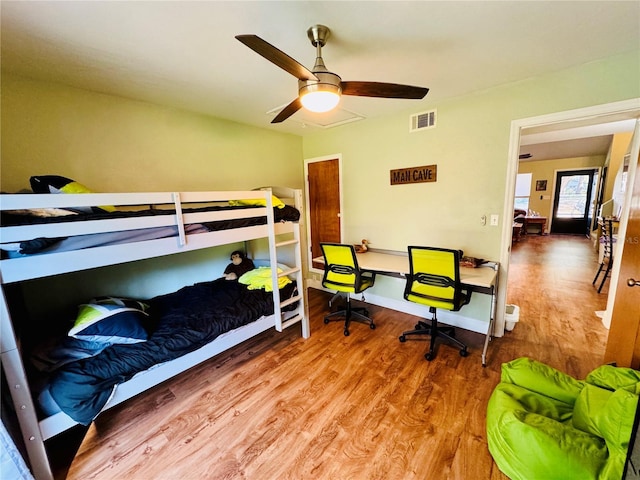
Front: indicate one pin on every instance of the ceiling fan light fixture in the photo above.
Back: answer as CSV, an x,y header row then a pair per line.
x,y
319,90
320,96
320,101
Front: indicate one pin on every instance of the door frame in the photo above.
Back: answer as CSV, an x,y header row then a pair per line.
x,y
621,316
629,107
307,161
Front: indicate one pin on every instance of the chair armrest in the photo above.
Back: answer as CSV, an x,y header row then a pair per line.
x,y
368,274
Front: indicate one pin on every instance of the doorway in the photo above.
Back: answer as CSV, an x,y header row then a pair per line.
x,y
573,203
623,111
324,204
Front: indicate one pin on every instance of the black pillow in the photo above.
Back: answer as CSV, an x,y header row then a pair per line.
x,y
59,184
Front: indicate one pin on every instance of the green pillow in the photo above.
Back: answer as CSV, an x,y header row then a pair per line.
x,y
613,378
109,324
527,445
607,414
542,379
259,278
589,408
257,202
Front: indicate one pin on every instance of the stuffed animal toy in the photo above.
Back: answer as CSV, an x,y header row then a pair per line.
x,y
361,247
239,265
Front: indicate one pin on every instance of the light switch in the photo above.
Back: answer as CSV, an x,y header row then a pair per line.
x,y
494,220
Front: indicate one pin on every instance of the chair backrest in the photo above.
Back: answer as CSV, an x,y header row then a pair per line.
x,y
607,236
434,278
341,270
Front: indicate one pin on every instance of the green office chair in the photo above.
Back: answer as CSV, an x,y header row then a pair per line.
x,y
434,280
341,273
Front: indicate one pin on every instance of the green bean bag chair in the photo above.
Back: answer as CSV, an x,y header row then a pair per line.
x,y
543,424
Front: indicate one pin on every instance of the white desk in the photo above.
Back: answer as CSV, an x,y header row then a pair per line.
x,y
483,279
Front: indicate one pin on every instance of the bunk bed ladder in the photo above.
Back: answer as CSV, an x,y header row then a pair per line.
x,y
21,396
285,319
182,240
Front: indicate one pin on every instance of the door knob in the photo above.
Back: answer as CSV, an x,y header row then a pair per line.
x,y
633,283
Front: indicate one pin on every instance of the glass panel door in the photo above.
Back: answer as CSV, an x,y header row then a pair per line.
x,y
573,204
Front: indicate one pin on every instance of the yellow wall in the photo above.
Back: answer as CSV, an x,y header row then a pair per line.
x,y
115,144
470,146
619,147
546,170
112,144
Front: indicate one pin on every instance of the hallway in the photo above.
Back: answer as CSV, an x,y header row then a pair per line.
x,y
550,280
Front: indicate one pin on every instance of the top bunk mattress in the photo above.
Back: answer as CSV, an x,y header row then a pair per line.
x,y
62,244
137,226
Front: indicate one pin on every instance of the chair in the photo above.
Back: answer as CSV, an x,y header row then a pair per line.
x,y
518,224
544,424
434,280
341,273
607,252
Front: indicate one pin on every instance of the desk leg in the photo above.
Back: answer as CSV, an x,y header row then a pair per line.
x,y
486,344
492,317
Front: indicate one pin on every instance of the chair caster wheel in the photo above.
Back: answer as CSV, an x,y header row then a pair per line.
x,y
429,356
418,326
326,321
346,332
372,326
463,352
402,338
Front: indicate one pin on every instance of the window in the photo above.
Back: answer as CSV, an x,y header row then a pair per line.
x,y
573,195
523,190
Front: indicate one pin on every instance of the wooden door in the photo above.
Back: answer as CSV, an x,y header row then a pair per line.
x,y
323,192
623,345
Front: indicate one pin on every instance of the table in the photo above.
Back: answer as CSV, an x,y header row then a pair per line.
x,y
517,232
483,279
528,220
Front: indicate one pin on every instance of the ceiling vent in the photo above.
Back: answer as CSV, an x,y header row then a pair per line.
x,y
422,121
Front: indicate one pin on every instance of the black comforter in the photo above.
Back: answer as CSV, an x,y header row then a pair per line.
x,y
182,322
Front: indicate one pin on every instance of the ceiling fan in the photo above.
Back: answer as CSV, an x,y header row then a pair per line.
x,y
319,89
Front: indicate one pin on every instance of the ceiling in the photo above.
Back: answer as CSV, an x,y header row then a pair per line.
x,y
589,138
183,54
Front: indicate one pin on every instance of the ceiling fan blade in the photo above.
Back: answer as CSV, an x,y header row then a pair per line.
x,y
277,57
287,111
384,90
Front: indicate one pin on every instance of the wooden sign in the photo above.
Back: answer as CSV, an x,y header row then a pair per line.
x,y
428,173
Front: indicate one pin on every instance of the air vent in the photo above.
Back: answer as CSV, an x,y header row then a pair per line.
x,y
421,121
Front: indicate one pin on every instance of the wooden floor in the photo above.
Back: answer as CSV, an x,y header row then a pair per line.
x,y
359,407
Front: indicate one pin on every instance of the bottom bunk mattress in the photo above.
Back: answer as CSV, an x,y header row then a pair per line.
x,y
177,323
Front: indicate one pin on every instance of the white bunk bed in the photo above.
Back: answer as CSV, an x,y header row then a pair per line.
x,y
36,431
